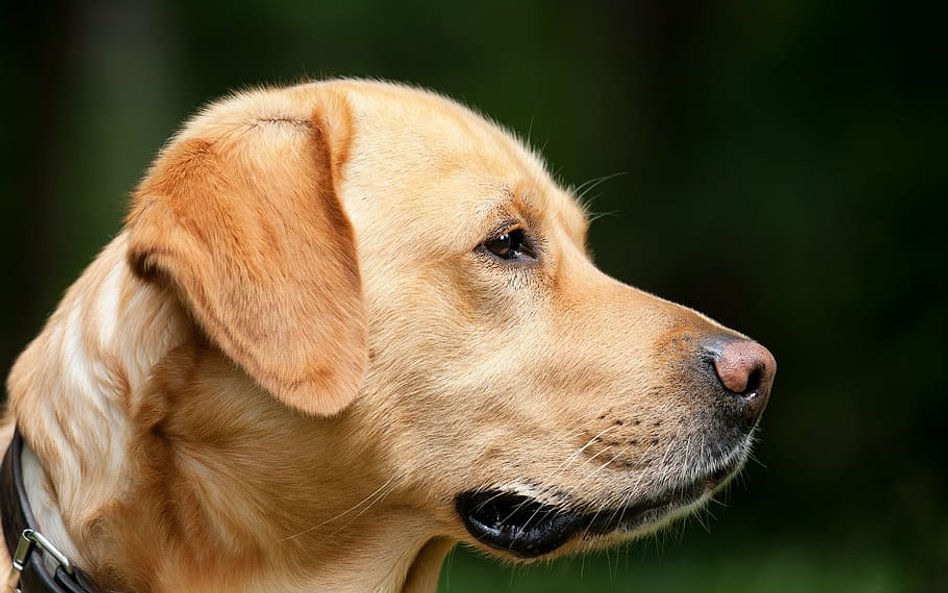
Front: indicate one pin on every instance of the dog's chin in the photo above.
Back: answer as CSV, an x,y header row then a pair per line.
x,y
526,528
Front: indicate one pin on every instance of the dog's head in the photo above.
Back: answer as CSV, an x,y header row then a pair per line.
x,y
372,251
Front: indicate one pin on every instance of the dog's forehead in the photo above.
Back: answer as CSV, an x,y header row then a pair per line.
x,y
415,129
436,157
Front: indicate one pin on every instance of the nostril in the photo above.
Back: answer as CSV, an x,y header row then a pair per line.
x,y
753,383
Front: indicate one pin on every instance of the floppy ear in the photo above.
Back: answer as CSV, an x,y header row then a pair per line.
x,y
240,215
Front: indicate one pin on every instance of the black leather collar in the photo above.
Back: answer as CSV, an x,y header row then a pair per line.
x,y
20,531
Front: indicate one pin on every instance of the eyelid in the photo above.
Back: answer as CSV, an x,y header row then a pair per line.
x,y
508,226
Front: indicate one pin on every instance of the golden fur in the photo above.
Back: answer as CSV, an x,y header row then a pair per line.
x,y
294,356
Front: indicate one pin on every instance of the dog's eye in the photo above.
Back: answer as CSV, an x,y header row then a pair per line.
x,y
510,245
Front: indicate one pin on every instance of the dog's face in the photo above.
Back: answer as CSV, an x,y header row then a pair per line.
x,y
537,401
527,402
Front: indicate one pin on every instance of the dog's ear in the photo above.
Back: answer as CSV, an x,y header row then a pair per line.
x,y
240,215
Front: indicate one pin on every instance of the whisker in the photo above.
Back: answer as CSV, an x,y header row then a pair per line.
x,y
377,500
594,216
584,188
561,469
367,499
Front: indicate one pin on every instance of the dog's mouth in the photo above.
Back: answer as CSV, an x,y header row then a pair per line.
x,y
527,528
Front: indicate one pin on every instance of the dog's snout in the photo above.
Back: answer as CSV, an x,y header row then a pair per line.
x,y
745,370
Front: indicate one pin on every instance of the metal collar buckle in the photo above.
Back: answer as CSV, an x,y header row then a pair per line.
x,y
30,538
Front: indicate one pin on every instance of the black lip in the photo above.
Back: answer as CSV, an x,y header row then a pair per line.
x,y
527,528
517,524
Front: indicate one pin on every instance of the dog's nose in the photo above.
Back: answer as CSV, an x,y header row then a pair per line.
x,y
746,371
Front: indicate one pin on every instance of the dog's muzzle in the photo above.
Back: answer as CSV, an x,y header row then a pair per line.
x,y
733,376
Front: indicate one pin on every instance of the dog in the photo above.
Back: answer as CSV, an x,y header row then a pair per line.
x,y
347,325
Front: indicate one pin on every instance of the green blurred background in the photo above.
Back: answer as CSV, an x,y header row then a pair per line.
x,y
781,167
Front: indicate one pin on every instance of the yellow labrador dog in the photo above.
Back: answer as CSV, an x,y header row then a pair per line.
x,y
347,325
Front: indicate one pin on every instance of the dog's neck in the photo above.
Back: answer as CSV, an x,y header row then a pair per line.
x,y
161,467
71,389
